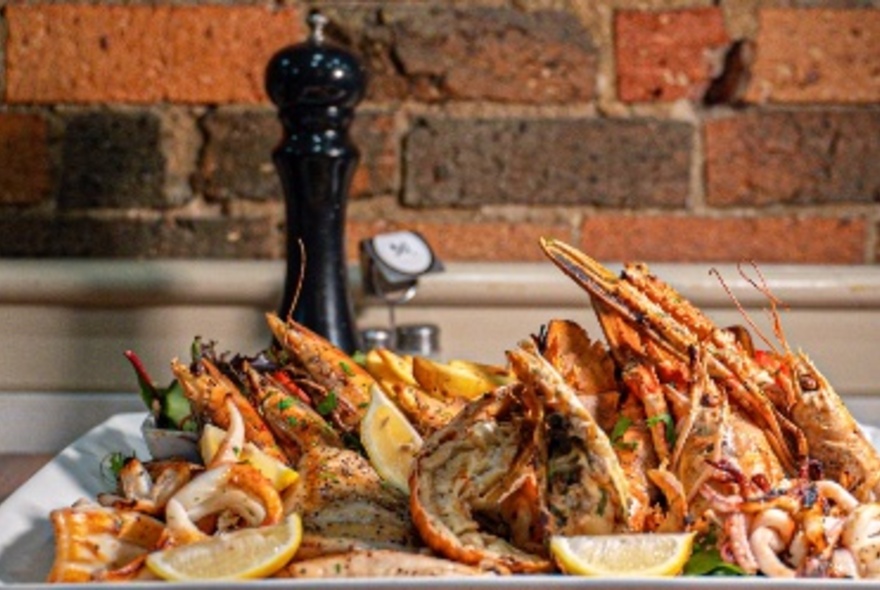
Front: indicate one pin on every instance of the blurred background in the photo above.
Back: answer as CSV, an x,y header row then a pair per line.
x,y
675,131
140,208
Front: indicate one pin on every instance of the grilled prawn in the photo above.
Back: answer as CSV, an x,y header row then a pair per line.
x,y
345,385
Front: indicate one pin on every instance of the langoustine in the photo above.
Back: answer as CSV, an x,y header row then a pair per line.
x,y
782,471
668,320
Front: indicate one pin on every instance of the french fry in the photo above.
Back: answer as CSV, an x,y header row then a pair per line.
x,y
447,381
425,412
386,365
496,373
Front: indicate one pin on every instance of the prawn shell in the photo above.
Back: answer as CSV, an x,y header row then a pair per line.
x,y
347,384
835,439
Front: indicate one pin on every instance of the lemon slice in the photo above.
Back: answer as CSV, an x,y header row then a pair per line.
x,y
390,440
623,555
281,475
243,554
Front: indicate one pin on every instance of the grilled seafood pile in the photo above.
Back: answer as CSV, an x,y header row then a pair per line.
x,y
671,424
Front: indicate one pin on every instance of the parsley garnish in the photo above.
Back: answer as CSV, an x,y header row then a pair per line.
x,y
670,426
618,431
706,559
603,503
112,464
328,404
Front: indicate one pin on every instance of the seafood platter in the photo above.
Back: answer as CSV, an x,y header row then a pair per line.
x,y
664,452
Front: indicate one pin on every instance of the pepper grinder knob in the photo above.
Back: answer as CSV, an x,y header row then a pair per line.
x,y
316,86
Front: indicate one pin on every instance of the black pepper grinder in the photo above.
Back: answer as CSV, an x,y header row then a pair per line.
x,y
316,86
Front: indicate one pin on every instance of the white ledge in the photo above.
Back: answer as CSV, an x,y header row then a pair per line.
x,y
65,323
117,283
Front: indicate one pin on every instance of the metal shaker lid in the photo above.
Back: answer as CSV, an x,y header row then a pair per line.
x,y
376,338
418,339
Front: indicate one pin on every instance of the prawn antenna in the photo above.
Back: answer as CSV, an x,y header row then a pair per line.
x,y
302,275
740,308
775,302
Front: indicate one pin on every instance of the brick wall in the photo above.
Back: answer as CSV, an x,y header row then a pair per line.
x,y
670,131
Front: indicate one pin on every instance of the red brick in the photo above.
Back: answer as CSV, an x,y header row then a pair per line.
x,y
236,161
24,159
548,161
139,54
237,158
817,55
783,239
112,159
483,241
793,157
430,52
665,56
121,236
376,137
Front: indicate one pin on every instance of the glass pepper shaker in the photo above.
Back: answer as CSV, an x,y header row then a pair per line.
x,y
315,86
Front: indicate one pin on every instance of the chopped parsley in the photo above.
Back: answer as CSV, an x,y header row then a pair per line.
x,y
328,404
603,503
346,368
285,403
112,464
360,357
620,427
670,426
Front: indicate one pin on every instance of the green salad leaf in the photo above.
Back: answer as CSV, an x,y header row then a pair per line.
x,y
168,405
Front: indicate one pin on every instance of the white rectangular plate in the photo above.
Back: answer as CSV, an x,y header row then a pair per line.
x,y
27,545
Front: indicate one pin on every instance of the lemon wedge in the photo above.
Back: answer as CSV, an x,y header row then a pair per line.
x,y
239,555
390,440
623,555
281,475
